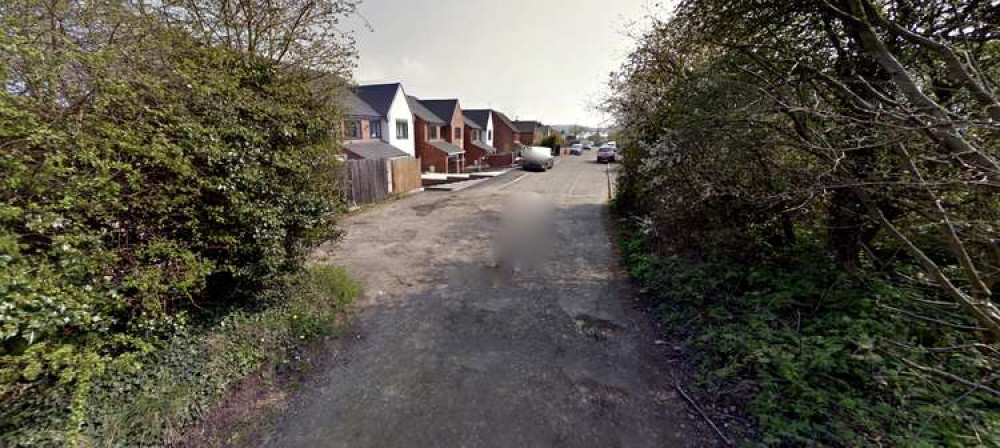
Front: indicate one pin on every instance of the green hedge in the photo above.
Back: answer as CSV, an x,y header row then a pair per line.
x,y
151,399
813,356
175,182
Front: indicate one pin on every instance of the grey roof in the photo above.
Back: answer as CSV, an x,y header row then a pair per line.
x,y
425,114
356,107
505,120
379,96
527,126
478,116
446,147
471,123
489,149
442,108
373,149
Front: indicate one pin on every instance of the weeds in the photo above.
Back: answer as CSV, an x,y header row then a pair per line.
x,y
814,356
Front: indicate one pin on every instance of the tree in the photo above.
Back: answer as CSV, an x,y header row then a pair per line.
x,y
302,33
149,179
879,117
761,133
553,141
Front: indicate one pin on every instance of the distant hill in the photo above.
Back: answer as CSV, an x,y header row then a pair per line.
x,y
573,128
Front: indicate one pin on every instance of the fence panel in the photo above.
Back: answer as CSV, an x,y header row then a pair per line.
x,y
405,175
368,181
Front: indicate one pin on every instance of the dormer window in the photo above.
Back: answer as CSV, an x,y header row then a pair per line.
x,y
432,132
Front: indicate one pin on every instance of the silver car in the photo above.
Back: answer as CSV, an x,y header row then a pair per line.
x,y
607,154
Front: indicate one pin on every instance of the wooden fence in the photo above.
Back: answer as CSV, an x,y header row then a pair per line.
x,y
405,175
367,181
370,181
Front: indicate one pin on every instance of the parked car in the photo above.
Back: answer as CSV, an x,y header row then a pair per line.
x,y
537,157
607,154
576,150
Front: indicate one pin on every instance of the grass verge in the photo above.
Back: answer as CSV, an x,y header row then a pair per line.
x,y
152,399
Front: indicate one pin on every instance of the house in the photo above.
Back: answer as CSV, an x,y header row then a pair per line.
x,y
478,135
504,132
363,131
531,132
454,133
396,118
433,138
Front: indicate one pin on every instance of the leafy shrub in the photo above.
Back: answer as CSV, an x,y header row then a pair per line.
x,y
813,356
150,399
553,141
171,181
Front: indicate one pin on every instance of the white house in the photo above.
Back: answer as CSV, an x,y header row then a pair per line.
x,y
389,101
483,118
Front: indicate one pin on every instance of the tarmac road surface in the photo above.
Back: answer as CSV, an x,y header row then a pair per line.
x,y
445,350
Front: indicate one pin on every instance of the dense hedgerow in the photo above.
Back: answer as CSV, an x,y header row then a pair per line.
x,y
813,355
173,181
811,178
152,398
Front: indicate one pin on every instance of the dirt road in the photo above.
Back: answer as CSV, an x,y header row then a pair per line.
x,y
444,352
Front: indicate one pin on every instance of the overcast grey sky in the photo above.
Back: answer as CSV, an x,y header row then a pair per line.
x,y
534,59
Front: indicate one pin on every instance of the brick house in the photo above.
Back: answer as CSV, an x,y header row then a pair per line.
x,y
363,131
531,132
450,111
431,133
478,135
396,119
505,136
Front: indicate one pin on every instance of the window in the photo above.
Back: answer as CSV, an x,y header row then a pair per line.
x,y
458,133
352,129
432,132
376,128
489,135
402,129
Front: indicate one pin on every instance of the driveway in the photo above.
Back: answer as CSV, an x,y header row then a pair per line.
x,y
446,351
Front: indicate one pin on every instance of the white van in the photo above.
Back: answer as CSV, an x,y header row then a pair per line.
x,y
537,157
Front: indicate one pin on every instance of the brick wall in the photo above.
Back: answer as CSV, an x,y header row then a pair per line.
x,y
472,152
499,160
526,138
503,136
429,157
457,121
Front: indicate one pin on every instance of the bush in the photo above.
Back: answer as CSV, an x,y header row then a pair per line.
x,y
172,182
553,141
149,400
813,356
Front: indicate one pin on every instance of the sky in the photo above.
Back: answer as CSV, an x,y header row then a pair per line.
x,y
546,60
